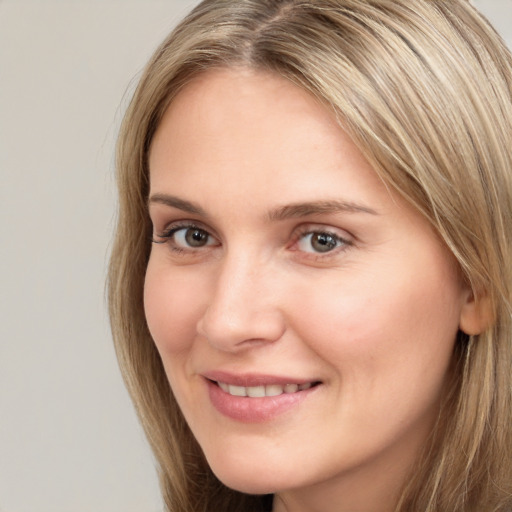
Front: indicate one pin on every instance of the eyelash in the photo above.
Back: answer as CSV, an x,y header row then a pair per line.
x,y
342,244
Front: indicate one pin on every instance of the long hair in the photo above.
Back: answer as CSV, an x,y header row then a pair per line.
x,y
424,89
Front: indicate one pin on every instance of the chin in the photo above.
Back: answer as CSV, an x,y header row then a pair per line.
x,y
248,477
249,485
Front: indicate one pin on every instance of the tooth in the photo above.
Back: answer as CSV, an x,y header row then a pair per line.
x,y
256,391
291,388
262,391
237,390
273,390
223,386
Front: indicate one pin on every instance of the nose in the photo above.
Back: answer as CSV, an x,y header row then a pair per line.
x,y
243,307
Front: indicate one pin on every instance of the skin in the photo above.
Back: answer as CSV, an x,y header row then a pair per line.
x,y
374,319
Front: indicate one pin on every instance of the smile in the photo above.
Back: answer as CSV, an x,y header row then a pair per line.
x,y
262,401
263,391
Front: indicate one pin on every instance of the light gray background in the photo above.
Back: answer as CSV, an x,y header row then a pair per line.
x,y
69,440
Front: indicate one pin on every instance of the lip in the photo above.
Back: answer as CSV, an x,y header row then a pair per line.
x,y
254,410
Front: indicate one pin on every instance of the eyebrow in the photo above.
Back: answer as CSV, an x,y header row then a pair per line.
x,y
296,210
176,202
290,211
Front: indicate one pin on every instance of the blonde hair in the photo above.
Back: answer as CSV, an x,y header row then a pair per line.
x,y
424,88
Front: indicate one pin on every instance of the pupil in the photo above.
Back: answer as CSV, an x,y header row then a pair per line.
x,y
196,237
323,242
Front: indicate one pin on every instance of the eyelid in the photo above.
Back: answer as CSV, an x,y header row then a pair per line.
x,y
172,227
306,229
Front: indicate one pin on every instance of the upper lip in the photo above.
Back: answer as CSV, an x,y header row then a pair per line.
x,y
253,379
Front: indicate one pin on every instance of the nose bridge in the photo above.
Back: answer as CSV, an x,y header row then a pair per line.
x,y
242,305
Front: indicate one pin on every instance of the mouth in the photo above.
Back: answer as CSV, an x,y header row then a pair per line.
x,y
257,398
262,391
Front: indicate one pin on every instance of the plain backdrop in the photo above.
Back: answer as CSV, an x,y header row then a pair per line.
x,y
69,439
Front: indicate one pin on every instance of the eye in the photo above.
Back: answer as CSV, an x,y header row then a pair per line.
x,y
192,237
320,242
186,237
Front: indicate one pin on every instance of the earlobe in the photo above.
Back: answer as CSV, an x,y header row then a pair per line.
x,y
476,314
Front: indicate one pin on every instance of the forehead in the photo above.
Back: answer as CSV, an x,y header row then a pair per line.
x,y
243,102
236,131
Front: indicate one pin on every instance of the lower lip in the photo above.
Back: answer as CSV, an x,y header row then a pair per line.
x,y
254,410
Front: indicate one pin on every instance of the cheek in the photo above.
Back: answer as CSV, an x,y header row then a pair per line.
x,y
379,329
389,348
172,307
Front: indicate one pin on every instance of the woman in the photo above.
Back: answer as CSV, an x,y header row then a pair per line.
x,y
310,286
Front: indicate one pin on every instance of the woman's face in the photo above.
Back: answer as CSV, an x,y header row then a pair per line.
x,y
288,272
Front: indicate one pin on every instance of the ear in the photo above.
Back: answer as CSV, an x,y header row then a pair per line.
x,y
476,314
